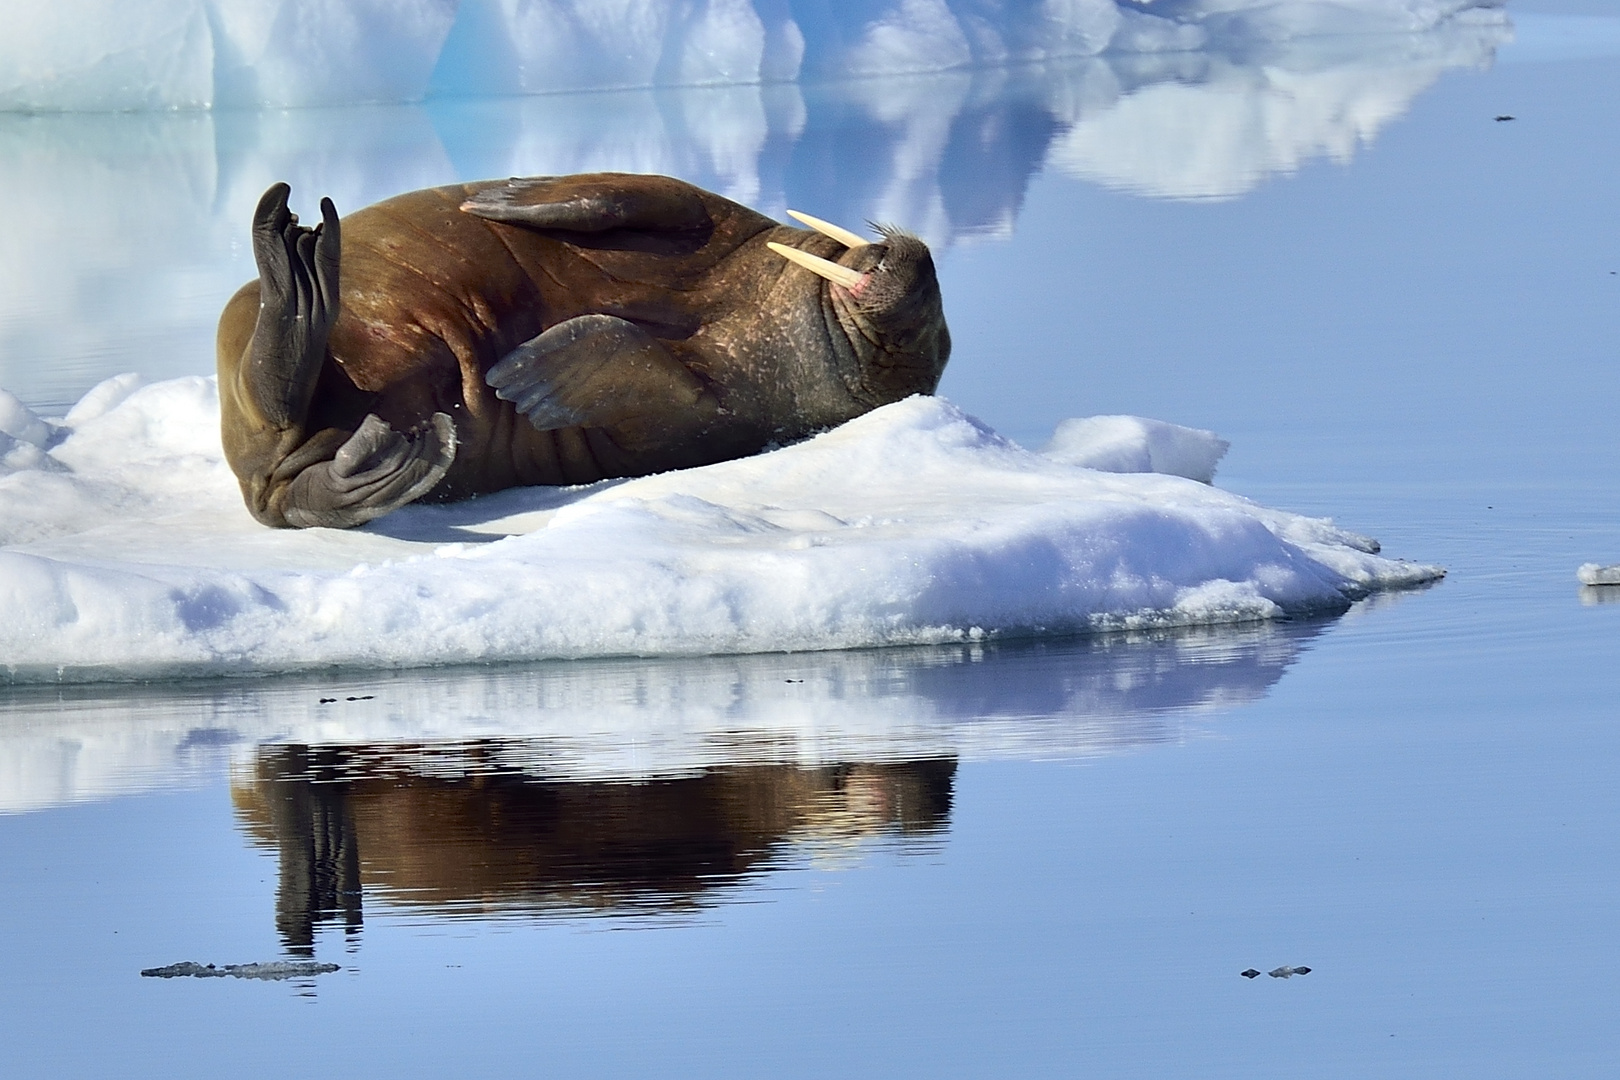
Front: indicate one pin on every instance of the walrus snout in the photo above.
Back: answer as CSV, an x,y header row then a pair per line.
x,y
878,274
889,301
896,272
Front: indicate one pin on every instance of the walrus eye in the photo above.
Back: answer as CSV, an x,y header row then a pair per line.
x,y
827,228
838,275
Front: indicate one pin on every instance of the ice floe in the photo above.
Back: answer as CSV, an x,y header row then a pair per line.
x,y
127,553
1598,574
145,54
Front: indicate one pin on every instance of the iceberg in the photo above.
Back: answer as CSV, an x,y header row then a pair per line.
x,y
126,552
166,54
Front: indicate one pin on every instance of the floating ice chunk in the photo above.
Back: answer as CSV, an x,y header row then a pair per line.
x,y
1133,444
1597,574
913,524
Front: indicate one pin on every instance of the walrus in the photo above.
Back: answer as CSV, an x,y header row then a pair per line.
x,y
551,330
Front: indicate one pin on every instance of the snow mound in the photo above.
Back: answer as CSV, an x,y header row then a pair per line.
x,y
1134,444
146,54
127,553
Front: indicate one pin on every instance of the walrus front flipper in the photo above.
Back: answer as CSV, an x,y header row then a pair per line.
x,y
604,372
298,302
376,471
592,203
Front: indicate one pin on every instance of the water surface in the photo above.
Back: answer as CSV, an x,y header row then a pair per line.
x,y
1035,858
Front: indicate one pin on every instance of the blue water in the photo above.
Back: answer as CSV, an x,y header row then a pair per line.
x,y
1050,858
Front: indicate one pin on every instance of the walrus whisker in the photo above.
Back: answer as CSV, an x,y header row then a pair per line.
x,y
827,228
838,275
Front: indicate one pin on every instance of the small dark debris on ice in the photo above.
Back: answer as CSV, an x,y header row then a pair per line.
x,y
281,969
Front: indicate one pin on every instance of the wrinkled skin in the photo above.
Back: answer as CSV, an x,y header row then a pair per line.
x,y
466,339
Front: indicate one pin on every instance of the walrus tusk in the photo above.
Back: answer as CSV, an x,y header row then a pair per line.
x,y
827,228
838,275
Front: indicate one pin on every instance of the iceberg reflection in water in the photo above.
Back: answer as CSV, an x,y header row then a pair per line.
x,y
636,720
136,233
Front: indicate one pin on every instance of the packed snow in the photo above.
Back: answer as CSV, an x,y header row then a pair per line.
x,y
146,54
127,552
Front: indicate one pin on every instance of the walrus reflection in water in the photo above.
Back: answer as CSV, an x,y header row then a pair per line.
x,y
506,841
551,330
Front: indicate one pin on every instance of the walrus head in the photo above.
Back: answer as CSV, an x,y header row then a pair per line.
x,y
888,304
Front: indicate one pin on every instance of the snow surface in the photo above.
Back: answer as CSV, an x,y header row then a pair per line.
x,y
127,553
144,54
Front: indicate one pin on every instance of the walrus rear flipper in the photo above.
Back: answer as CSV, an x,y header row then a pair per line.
x,y
376,471
600,371
298,302
593,203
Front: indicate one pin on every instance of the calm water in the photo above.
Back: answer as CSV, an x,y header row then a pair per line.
x,y
1045,858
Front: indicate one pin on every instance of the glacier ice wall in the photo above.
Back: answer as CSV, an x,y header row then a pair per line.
x,y
72,55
